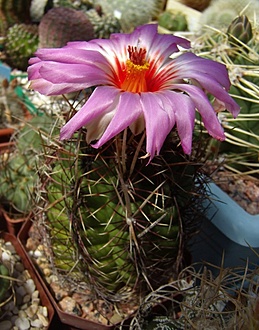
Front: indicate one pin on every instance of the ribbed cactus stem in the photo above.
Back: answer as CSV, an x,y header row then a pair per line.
x,y
61,25
122,215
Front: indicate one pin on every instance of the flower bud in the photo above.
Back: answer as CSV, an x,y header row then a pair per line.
x,y
241,29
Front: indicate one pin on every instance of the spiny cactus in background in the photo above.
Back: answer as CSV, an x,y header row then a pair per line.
x,y
238,50
221,13
197,4
17,183
63,24
115,223
21,42
173,20
18,180
131,13
12,12
104,24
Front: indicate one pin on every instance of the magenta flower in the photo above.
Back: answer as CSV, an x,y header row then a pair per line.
x,y
138,86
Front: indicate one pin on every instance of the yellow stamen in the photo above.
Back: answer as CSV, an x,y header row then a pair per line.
x,y
136,68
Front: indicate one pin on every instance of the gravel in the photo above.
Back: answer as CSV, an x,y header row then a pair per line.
x,y
24,311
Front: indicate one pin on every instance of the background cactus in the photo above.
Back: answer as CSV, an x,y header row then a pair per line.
x,y
173,20
103,24
21,42
13,12
131,13
238,50
63,24
18,168
17,184
220,13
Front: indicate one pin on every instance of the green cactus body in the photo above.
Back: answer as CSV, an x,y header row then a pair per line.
x,y
19,179
118,225
17,183
173,20
21,42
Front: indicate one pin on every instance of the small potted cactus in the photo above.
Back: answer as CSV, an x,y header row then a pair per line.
x,y
16,188
19,171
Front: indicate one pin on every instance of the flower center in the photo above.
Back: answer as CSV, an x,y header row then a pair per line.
x,y
136,67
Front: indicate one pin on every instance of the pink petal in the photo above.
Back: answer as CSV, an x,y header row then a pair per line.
x,y
127,111
47,88
204,107
89,75
219,92
189,64
159,118
184,110
91,110
72,55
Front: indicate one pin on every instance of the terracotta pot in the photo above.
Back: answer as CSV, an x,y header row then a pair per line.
x,y
13,225
5,134
27,265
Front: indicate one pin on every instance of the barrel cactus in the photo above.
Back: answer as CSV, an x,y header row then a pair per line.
x,y
125,218
61,25
21,42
